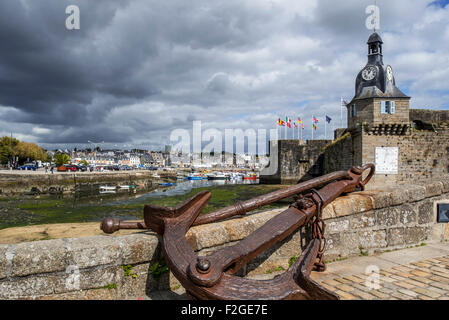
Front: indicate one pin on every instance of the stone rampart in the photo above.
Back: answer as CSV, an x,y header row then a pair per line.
x,y
131,266
17,183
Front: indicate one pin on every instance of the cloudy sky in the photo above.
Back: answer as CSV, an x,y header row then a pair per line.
x,y
138,69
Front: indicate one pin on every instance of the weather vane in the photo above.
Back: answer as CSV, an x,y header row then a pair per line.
x,y
373,20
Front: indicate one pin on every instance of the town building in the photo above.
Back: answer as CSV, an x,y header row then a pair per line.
x,y
405,144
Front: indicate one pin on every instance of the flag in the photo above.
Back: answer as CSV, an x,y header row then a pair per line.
x,y
302,126
315,119
299,120
280,122
314,126
328,119
296,126
288,121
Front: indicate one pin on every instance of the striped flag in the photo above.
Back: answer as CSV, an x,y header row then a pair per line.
x,y
280,122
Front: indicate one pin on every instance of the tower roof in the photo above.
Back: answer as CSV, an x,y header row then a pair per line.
x,y
375,38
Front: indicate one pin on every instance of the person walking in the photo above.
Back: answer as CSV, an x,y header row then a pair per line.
x,y
51,169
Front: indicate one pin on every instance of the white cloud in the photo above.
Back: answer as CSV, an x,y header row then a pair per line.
x,y
143,68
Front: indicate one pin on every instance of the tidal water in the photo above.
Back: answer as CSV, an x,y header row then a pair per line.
x,y
90,204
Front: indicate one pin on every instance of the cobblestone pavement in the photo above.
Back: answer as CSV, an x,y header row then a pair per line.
x,y
418,273
423,280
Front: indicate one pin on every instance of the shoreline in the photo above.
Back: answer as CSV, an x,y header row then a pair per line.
x,y
13,183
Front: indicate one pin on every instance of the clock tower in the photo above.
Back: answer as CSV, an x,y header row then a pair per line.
x,y
378,102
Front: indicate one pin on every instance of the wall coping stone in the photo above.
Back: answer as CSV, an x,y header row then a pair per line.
x,y
49,256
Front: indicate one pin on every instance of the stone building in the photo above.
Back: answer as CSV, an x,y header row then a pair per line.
x,y
405,144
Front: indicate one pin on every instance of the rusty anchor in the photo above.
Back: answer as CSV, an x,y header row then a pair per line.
x,y
213,276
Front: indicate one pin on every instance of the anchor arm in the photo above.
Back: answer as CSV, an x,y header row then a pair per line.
x,y
212,277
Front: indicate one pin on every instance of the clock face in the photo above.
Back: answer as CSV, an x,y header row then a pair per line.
x,y
389,73
369,73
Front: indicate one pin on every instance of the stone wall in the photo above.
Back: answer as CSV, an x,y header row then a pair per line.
x,y
423,154
335,159
17,183
108,267
296,159
432,116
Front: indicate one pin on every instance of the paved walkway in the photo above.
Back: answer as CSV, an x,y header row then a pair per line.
x,y
420,273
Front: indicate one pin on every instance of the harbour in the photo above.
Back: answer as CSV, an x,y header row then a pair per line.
x,y
91,203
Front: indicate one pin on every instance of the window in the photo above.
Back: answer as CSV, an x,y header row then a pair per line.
x,y
353,111
387,107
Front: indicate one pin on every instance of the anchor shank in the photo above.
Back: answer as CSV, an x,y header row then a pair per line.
x,y
242,207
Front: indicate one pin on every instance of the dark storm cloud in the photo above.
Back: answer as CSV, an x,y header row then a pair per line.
x,y
138,69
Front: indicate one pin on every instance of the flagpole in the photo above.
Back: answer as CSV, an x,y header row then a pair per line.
x,y
285,137
312,128
341,112
333,131
325,129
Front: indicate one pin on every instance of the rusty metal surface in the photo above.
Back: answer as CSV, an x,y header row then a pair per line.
x,y
212,277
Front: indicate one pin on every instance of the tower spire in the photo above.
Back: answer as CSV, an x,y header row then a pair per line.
x,y
375,15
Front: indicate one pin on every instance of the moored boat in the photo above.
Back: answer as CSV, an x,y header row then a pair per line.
x,y
196,176
217,176
107,188
250,176
167,184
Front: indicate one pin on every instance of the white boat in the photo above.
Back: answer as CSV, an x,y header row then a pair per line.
x,y
217,176
236,175
107,188
156,175
107,191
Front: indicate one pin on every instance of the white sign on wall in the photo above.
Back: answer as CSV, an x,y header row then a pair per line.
x,y
386,160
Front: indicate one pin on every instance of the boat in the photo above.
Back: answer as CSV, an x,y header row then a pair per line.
x,y
167,184
131,186
107,188
250,176
196,176
156,175
236,176
107,191
217,176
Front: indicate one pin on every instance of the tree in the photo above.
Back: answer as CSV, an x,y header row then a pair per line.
x,y
7,149
10,148
84,163
61,158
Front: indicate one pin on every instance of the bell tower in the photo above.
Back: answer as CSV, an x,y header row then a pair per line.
x,y
378,105
375,49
